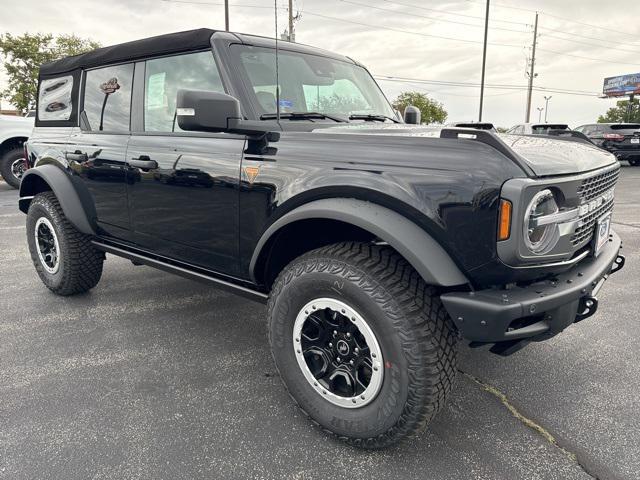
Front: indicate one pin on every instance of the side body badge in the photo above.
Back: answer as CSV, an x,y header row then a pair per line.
x,y
250,173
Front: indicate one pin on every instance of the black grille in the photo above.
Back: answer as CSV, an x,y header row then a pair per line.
x,y
587,224
591,188
598,184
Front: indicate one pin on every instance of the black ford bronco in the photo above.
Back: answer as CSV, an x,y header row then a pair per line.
x,y
284,175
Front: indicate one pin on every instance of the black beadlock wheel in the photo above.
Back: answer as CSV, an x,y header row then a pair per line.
x,y
362,344
12,166
64,258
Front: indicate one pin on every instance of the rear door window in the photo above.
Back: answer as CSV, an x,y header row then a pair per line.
x,y
107,98
165,76
54,99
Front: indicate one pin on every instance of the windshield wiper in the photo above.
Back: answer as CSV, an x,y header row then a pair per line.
x,y
301,116
373,117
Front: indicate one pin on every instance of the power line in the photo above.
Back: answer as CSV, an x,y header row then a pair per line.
x,y
507,6
436,19
472,84
419,7
218,4
398,30
635,35
380,27
590,44
559,17
599,39
602,60
492,86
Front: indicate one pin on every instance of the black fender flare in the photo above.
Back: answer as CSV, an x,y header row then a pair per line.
x,y
69,195
421,250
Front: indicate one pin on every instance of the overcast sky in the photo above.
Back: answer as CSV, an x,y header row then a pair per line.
x,y
401,38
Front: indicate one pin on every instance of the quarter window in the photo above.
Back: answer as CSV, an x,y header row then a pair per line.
x,y
107,98
165,76
54,99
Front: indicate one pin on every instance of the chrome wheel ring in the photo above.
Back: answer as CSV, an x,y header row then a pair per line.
x,y
18,168
47,245
338,353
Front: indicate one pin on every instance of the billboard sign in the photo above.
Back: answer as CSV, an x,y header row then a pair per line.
x,y
622,85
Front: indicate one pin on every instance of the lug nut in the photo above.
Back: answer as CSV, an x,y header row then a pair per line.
x,y
330,345
351,362
348,335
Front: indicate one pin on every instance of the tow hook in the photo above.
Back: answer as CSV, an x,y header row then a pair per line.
x,y
587,307
617,264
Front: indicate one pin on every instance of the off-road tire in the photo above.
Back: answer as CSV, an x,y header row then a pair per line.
x,y
80,264
416,336
6,160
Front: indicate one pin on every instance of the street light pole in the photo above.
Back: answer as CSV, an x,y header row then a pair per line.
x,y
484,60
531,73
540,109
546,107
226,15
291,34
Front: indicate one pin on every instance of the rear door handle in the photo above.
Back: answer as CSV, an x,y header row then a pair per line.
x,y
143,162
76,156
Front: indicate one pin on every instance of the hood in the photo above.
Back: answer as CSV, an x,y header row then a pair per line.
x,y
553,156
545,156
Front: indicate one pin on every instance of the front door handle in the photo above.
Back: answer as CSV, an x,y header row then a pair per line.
x,y
76,156
143,162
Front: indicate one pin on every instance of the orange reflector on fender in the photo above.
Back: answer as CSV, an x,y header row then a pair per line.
x,y
504,220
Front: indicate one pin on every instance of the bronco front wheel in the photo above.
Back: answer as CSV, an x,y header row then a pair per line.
x,y
362,344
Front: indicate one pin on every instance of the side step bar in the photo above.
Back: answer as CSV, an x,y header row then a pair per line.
x,y
183,272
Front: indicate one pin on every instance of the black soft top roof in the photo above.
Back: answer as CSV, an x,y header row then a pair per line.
x,y
160,45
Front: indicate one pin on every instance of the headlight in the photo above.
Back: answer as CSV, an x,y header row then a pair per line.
x,y
540,236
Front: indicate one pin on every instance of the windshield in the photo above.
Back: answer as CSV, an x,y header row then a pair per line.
x,y
310,83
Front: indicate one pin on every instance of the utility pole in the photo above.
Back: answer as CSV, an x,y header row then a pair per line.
x,y
226,15
540,114
531,72
546,107
484,60
292,36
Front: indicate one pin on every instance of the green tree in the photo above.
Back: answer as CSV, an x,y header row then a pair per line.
x,y
619,113
431,111
23,55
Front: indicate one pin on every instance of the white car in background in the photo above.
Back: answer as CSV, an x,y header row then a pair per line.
x,y
536,128
14,131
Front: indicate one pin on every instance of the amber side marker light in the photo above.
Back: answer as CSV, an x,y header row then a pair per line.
x,y
504,220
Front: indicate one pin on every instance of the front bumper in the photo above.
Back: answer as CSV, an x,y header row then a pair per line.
x,y
513,317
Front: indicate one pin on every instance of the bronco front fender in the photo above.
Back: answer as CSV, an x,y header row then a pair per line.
x,y
424,253
80,213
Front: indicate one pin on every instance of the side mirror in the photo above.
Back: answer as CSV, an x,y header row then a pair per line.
x,y
412,115
205,111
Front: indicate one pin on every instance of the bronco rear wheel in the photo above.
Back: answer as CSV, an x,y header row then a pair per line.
x,y
64,258
362,344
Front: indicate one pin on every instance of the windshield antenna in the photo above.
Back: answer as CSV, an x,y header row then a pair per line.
x,y
275,2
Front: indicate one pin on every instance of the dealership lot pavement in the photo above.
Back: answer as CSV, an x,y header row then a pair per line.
x,y
154,376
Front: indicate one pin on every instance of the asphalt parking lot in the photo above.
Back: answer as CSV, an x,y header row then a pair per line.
x,y
153,376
